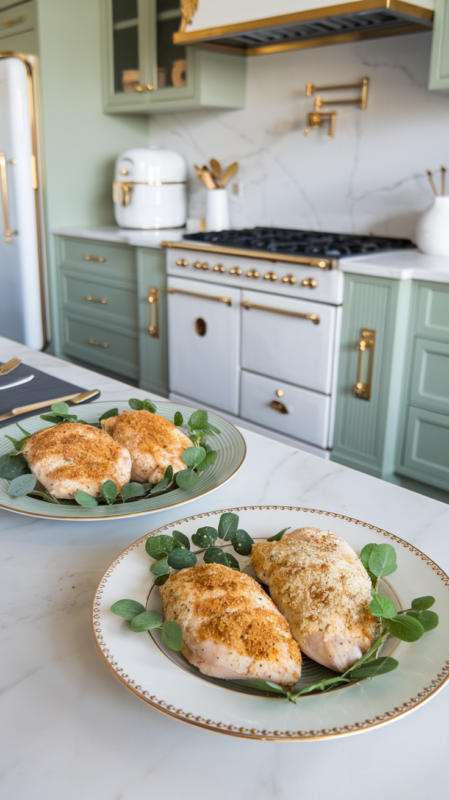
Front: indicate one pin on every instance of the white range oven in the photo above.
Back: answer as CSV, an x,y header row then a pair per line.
x,y
255,334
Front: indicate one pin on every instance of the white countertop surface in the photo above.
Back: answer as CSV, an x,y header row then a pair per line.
x,y
71,731
401,265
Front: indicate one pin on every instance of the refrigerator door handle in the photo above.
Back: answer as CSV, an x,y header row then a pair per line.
x,y
4,184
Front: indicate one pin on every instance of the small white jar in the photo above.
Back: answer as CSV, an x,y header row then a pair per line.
x,y
217,210
432,230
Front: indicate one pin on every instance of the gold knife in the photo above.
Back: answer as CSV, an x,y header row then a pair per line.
x,y
75,398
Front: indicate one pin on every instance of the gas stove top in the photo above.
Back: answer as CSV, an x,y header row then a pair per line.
x,y
288,242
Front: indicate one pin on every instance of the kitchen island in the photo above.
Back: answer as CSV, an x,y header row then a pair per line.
x,y
71,731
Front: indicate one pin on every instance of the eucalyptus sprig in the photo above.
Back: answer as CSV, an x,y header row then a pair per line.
x,y
142,620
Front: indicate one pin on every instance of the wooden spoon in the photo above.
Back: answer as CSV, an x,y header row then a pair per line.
x,y
228,174
216,168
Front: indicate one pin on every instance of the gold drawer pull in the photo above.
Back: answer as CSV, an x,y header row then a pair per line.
x,y
4,184
93,299
226,300
101,259
153,299
279,407
313,317
15,21
363,390
97,343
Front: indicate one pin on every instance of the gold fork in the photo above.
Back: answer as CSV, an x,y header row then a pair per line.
x,y
9,366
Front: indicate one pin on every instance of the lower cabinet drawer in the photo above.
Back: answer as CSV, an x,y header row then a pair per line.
x,y
430,375
426,447
101,345
288,409
105,298
102,258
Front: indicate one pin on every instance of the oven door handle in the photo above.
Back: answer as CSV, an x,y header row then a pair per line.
x,y
226,300
313,317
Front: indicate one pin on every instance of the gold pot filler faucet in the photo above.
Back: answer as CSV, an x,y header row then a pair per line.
x,y
317,118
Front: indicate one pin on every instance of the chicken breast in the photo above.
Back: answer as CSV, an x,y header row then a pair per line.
x,y
153,442
230,626
322,589
73,457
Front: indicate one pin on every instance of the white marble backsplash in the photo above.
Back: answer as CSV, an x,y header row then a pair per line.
x,y
369,179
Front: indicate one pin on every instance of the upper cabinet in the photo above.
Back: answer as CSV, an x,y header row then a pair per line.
x,y
439,60
144,71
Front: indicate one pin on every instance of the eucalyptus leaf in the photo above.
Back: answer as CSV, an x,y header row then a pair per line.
x,y
428,619
160,567
44,496
160,580
366,552
60,408
321,686
278,536
55,418
146,621
370,654
232,562
215,555
266,686
181,558
187,479
128,609
133,489
193,456
85,499
160,546
228,525
181,539
210,459
160,487
210,429
382,560
242,543
406,628
197,420
383,607
172,634
113,412
179,419
108,491
198,439
18,443
422,603
149,406
23,430
13,465
204,537
380,666
136,405
21,485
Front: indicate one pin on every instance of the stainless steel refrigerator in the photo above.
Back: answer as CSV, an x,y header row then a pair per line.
x,y
23,291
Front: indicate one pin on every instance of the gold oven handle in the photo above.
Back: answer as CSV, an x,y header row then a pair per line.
x,y
226,300
363,389
313,317
279,407
4,183
153,299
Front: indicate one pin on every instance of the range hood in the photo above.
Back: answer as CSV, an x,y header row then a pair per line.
x,y
242,27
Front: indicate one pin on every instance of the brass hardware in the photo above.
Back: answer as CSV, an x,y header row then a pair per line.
x,y
313,317
3,179
252,273
205,265
289,279
149,87
360,101
279,392
182,262
197,265
235,271
316,119
153,299
140,88
101,259
33,167
188,8
97,343
93,299
328,263
310,282
15,21
226,300
219,268
124,172
363,389
12,161
121,193
200,326
279,407
270,276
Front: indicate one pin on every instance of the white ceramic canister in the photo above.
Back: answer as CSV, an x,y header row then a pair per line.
x,y
217,210
150,189
432,230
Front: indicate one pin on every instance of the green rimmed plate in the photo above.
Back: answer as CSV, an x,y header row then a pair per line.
x,y
230,446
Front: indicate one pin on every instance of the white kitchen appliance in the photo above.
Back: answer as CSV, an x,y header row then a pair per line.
x,y
150,189
22,251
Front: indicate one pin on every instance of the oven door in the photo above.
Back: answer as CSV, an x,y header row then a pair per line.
x,y
292,340
204,342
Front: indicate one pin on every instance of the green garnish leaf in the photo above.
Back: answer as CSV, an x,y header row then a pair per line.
x,y
113,412
187,479
422,603
232,562
84,499
211,457
172,634
160,546
181,539
197,420
380,666
215,555
242,543
60,408
181,558
108,491
133,489
267,686
406,628
13,465
136,405
382,560
278,536
179,419
149,406
160,580
228,525
428,619
21,485
18,443
366,552
146,621
128,609
44,496
204,537
383,607
160,567
198,439
193,456
210,429
321,686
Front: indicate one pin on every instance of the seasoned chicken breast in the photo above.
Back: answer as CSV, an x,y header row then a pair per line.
x,y
323,590
230,626
73,457
153,442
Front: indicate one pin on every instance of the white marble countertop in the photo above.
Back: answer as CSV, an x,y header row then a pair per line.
x,y
112,233
71,731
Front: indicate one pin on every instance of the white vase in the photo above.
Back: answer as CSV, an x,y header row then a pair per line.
x,y
432,230
217,210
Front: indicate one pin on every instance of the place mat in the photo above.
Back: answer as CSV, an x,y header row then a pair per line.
x,y
42,387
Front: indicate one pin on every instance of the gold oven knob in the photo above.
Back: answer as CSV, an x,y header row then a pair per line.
x,y
279,392
197,265
182,262
219,268
252,273
270,276
289,279
235,271
205,266
311,282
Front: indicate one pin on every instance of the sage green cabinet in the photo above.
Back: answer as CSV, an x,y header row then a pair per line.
x,y
439,59
152,320
144,72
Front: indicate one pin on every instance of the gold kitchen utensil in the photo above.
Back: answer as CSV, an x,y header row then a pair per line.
x,y
443,180
74,398
204,175
228,174
9,366
430,177
216,168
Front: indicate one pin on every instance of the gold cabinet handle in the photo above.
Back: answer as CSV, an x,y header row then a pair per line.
x,y
153,299
310,282
8,22
140,88
363,389
149,87
101,259
279,407
182,262
313,317
4,183
97,343
93,299
226,300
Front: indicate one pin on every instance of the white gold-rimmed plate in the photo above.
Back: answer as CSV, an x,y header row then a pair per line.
x,y
144,668
230,446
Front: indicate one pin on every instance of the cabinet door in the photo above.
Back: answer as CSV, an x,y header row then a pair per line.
x,y
426,450
430,375
152,316
439,59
